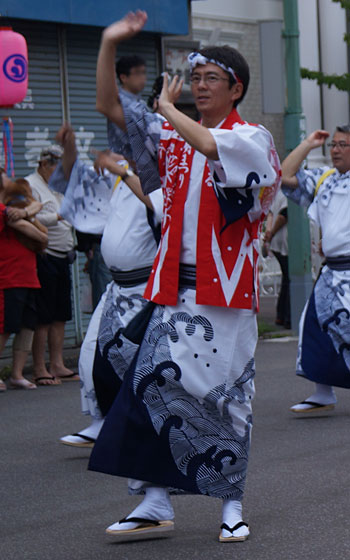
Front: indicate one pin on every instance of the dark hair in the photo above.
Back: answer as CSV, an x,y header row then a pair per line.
x,y
343,128
231,58
156,89
126,63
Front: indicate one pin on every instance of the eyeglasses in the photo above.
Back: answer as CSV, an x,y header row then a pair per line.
x,y
340,145
210,79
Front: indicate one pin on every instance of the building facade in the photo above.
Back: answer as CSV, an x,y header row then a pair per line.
x,y
322,25
241,24
63,40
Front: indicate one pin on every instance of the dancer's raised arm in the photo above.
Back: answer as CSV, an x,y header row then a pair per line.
x,y
107,97
293,161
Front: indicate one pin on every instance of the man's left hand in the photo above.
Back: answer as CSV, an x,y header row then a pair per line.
x,y
170,92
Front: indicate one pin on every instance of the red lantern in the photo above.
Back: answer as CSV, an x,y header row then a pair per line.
x,y
13,67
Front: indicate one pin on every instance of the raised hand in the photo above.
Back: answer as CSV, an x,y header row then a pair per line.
x,y
107,160
127,27
317,138
101,160
66,136
170,92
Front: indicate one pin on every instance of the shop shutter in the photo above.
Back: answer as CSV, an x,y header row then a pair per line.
x,y
72,50
82,44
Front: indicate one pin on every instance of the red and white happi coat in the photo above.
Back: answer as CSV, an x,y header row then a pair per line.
x,y
227,256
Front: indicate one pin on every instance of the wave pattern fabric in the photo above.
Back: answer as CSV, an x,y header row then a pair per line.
x,y
183,415
324,341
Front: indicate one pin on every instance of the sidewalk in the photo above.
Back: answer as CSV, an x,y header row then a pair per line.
x,y
266,319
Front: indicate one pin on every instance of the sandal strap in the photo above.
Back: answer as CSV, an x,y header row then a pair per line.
x,y
312,403
87,438
44,378
232,529
139,520
73,374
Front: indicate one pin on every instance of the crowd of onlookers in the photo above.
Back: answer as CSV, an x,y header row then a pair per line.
x,y
36,249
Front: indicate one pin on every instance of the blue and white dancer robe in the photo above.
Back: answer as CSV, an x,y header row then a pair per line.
x,y
93,204
324,335
183,416
118,140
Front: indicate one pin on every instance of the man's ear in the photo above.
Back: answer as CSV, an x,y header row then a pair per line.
x,y
122,78
236,91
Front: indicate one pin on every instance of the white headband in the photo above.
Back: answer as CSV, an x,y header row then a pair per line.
x,y
196,58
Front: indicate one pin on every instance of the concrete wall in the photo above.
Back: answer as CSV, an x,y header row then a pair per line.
x,y
237,24
328,51
239,10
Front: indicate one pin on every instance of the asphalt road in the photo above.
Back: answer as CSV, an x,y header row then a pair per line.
x,y
297,499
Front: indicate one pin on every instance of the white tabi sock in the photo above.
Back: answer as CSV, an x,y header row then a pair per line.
x,y
323,395
231,515
94,429
155,506
91,431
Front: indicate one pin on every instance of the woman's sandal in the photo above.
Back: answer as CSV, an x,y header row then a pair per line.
x,y
21,384
43,381
74,376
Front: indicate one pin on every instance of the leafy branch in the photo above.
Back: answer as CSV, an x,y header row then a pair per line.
x,y
341,82
343,3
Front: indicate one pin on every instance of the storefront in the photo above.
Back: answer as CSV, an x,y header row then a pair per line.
x,y
63,40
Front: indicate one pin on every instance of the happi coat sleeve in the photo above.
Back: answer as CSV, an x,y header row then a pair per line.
x,y
87,195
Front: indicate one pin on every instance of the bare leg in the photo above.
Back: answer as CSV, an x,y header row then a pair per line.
x,y
19,358
56,339
20,349
38,349
3,340
17,381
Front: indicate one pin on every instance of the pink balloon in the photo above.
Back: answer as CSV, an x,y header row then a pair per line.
x,y
13,67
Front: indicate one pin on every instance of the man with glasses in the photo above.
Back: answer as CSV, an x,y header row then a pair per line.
x,y
324,339
182,418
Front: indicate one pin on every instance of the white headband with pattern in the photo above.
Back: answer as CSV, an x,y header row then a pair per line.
x,y
196,58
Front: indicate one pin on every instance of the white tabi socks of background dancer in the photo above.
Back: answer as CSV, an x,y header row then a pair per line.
x,y
322,399
86,437
152,517
233,528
